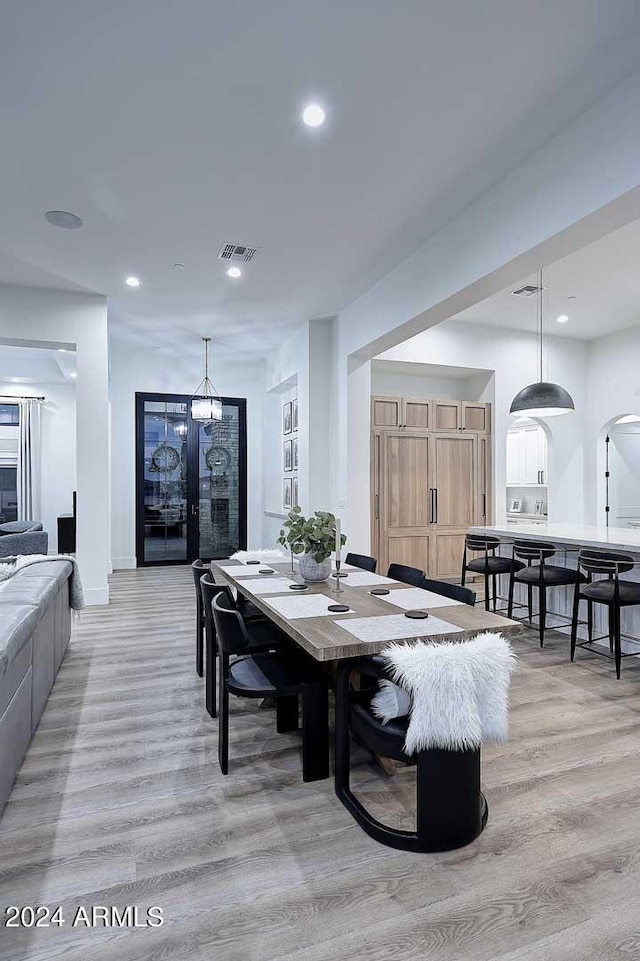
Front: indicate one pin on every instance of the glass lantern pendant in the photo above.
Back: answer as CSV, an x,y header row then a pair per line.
x,y
206,404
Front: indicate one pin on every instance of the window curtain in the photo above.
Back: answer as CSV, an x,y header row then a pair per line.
x,y
29,461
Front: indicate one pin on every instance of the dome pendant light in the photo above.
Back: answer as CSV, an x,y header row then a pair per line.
x,y
206,403
542,399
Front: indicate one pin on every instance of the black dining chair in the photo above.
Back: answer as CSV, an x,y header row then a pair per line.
x,y
607,589
199,569
452,591
540,575
264,635
490,565
363,561
408,575
451,810
285,677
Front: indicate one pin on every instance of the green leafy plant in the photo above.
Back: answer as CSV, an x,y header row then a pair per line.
x,y
315,535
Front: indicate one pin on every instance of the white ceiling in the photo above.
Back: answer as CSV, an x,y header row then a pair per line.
x,y
172,128
604,278
36,365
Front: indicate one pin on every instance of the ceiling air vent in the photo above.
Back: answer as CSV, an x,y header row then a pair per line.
x,y
237,252
527,291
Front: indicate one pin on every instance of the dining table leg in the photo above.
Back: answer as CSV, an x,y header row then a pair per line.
x,y
315,730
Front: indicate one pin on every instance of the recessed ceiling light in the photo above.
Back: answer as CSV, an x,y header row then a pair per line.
x,y
313,115
73,374
178,266
62,218
234,272
132,282
562,319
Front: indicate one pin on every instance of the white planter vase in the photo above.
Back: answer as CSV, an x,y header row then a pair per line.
x,y
311,571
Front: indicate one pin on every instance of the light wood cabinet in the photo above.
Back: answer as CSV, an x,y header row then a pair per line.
x,y
428,485
476,417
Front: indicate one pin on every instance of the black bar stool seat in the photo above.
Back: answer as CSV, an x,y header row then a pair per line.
x,y
496,565
604,592
552,575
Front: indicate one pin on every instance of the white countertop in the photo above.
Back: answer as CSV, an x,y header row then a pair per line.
x,y
580,535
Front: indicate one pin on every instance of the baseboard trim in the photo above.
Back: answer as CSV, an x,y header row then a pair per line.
x,y
123,563
95,596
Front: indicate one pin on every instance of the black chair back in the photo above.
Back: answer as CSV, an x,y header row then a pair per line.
x,y
539,551
406,574
230,630
362,561
209,589
198,569
609,563
481,542
461,594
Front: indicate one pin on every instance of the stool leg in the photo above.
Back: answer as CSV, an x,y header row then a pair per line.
x,y
618,642
486,591
287,714
494,579
510,601
530,602
574,620
542,613
590,619
611,628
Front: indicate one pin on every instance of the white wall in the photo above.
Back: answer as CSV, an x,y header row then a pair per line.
x,y
51,318
58,450
151,371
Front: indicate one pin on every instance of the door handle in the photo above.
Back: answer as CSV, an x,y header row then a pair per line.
x,y
484,505
194,509
432,507
435,501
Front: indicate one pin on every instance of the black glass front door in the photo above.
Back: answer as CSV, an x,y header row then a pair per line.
x,y
191,481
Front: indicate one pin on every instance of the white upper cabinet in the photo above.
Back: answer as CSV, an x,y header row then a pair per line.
x,y
526,456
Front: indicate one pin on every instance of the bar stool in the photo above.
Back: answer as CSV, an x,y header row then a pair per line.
x,y
608,590
491,565
540,575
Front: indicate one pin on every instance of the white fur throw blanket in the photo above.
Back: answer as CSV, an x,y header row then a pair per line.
x,y
273,555
458,692
12,565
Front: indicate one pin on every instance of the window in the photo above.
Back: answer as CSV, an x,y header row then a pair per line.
x,y
8,494
9,414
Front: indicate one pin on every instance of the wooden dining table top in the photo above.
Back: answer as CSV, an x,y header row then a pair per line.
x,y
323,637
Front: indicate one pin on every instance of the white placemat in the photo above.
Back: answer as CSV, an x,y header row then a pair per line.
x,y
414,598
270,585
245,570
305,605
365,578
394,627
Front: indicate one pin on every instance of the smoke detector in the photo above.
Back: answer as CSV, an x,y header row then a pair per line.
x,y
527,291
237,252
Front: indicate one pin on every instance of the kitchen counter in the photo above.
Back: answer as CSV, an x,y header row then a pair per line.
x,y
573,535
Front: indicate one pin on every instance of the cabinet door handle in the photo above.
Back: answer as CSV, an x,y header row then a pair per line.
x,y
484,505
377,506
431,505
435,501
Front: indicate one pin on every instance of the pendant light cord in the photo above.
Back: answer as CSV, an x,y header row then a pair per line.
x,y
540,317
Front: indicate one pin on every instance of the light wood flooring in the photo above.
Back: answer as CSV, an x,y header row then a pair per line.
x,y
120,802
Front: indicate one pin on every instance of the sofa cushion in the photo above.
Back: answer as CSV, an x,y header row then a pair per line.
x,y
19,527
18,624
37,591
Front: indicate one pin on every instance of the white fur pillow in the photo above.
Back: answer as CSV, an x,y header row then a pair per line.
x,y
274,555
390,701
458,691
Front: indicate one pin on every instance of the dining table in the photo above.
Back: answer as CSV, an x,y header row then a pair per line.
x,y
365,625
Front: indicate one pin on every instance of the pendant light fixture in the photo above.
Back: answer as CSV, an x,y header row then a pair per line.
x,y
206,403
542,399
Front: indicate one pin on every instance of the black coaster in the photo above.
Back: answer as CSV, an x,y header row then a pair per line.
x,y
265,570
379,591
252,562
416,615
297,587
338,608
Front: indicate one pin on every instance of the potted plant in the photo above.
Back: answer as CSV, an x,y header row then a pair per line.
x,y
314,539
